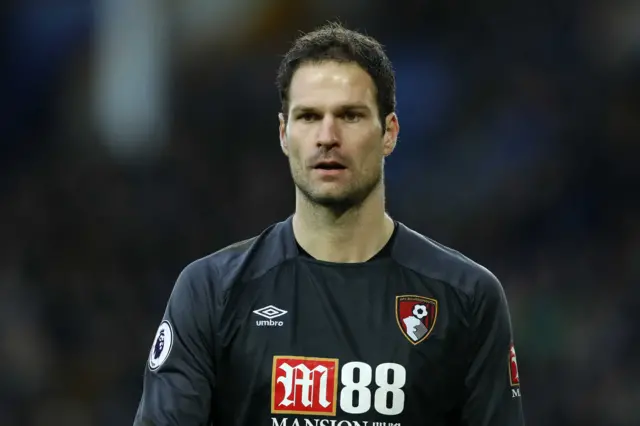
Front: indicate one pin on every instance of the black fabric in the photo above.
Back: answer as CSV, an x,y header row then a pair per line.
x,y
384,252
258,334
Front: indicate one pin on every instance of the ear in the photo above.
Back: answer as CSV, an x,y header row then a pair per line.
x,y
283,134
390,138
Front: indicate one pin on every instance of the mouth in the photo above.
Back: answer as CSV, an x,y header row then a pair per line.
x,y
329,165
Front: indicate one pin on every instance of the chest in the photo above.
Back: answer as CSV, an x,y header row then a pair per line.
x,y
351,342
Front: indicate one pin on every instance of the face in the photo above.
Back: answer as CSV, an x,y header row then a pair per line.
x,y
333,137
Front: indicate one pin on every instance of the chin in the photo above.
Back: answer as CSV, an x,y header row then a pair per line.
x,y
335,196
334,199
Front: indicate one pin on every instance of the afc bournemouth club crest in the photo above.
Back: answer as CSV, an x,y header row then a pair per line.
x,y
416,316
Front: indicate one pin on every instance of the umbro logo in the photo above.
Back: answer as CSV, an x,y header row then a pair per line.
x,y
270,312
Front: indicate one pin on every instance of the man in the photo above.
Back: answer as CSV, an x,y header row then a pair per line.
x,y
339,315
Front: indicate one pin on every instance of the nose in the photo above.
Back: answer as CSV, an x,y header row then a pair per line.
x,y
328,132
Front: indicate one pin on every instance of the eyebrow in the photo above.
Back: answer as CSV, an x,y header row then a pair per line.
x,y
347,107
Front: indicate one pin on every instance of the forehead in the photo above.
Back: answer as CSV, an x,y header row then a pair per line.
x,y
331,84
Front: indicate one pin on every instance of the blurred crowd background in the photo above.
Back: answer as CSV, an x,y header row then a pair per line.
x,y
137,136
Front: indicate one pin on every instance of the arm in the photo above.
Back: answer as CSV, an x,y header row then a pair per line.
x,y
492,384
179,375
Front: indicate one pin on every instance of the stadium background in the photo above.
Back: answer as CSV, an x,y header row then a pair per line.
x,y
139,135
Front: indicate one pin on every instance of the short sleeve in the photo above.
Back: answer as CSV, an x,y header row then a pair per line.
x,y
492,383
179,376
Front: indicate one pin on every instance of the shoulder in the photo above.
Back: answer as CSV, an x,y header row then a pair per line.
x,y
434,260
244,259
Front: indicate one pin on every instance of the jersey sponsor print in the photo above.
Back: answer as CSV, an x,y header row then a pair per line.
x,y
513,372
309,387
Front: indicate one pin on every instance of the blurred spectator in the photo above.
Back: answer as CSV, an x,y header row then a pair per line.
x,y
520,125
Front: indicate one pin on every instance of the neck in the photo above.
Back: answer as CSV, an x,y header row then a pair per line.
x,y
351,236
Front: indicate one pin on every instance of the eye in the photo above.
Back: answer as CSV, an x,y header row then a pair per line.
x,y
351,117
308,117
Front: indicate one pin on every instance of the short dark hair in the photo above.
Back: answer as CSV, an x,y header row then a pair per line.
x,y
333,42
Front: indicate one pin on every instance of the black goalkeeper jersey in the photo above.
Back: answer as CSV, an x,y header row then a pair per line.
x,y
261,334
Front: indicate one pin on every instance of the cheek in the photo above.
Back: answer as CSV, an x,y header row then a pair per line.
x,y
372,152
294,148
295,152
296,142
